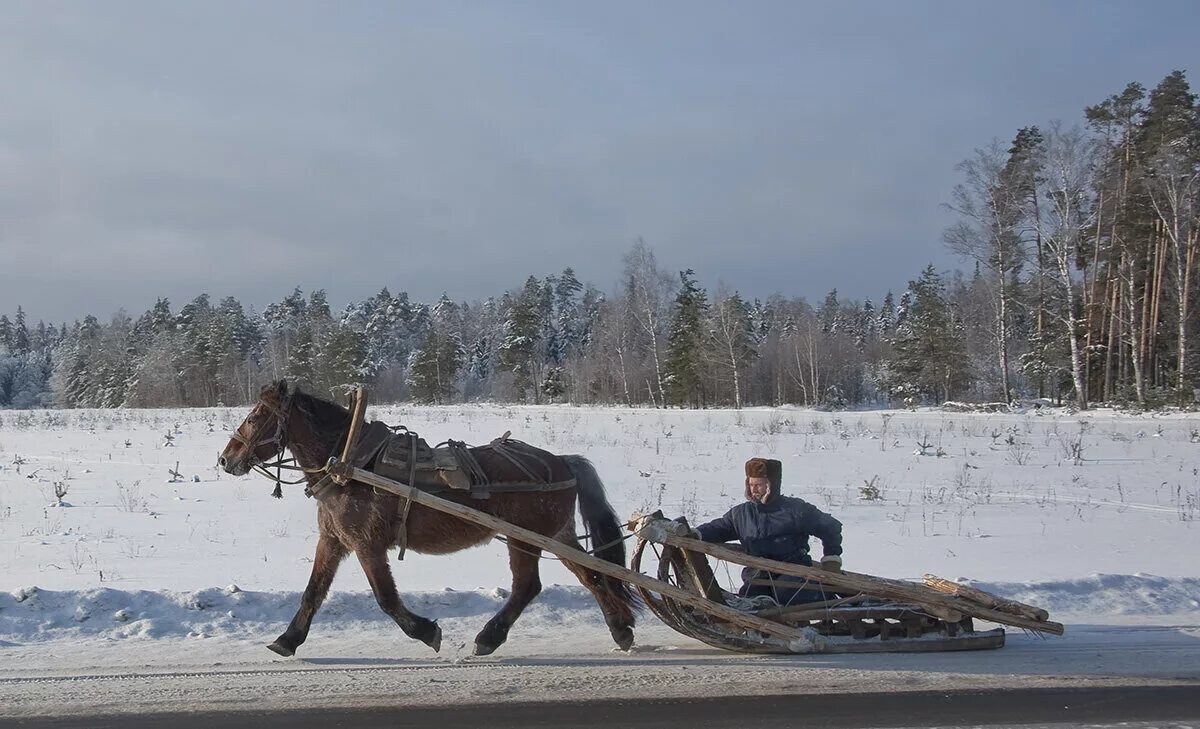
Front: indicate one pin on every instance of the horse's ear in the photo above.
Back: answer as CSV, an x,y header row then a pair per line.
x,y
282,388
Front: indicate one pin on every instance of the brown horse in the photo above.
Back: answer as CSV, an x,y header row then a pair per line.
x,y
356,518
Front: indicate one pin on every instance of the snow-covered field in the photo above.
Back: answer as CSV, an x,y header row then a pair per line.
x,y
134,571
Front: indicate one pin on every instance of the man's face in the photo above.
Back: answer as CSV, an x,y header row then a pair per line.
x,y
760,489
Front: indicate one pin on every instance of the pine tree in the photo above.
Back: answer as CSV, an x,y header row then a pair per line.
x,y
1170,117
591,310
6,335
867,327
344,358
23,381
829,313
154,322
434,366
482,355
568,316
198,360
283,321
1170,153
685,343
243,331
1115,122
302,365
20,334
928,358
518,353
553,384
887,315
82,385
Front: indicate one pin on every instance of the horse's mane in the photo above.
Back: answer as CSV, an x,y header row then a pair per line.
x,y
323,416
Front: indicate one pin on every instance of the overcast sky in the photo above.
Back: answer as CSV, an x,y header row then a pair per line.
x,y
172,148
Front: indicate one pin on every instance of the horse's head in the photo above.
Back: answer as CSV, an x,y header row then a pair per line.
x,y
262,435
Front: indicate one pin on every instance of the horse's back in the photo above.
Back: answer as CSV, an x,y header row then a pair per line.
x,y
514,461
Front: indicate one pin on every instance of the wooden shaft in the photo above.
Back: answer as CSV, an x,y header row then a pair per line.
x,y
567,552
360,407
876,586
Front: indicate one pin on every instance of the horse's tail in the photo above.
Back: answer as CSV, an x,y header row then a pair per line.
x,y
604,527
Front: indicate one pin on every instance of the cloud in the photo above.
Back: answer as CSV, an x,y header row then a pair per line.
x,y
157,149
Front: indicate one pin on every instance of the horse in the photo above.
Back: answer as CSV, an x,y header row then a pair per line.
x,y
356,518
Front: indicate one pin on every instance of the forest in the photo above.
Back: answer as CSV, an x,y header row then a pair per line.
x,y
1078,242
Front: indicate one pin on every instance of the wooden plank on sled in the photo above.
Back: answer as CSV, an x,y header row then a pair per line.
x,y
986,599
567,552
782,610
947,614
846,581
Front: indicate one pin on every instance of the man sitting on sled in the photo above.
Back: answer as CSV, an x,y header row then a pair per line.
x,y
774,526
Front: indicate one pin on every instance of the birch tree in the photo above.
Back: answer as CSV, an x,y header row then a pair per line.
x,y
1067,206
989,204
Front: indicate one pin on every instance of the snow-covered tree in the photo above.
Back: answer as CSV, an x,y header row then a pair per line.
x,y
686,341
435,366
928,359
519,352
731,340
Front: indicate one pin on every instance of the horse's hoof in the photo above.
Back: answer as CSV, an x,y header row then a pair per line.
x,y
485,650
624,638
281,649
435,641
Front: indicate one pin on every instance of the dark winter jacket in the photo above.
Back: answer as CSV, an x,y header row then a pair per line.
x,y
778,529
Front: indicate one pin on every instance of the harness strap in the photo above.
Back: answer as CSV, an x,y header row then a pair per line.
x,y
501,448
406,503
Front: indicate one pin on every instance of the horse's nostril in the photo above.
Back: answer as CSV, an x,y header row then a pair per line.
x,y
221,461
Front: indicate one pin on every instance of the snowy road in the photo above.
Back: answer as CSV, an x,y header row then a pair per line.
x,y
221,676
1126,707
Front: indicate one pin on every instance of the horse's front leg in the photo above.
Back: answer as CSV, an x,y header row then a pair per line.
x,y
330,554
526,584
379,574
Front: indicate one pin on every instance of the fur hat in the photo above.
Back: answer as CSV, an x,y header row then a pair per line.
x,y
767,468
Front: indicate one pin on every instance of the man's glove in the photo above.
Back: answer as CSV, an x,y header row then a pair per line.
x,y
691,532
657,529
831,563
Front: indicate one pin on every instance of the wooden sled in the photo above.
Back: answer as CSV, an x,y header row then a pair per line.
x,y
901,615
876,615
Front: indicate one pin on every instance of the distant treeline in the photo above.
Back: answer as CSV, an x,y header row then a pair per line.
x,y
1082,239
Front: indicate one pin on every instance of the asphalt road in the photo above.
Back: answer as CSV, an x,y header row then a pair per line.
x,y
1137,706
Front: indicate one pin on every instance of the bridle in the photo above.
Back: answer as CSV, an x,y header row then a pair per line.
x,y
279,440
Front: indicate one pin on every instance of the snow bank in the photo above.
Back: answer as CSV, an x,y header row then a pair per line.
x,y
1106,595
31,615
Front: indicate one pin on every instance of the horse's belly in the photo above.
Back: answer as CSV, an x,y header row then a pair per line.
x,y
435,532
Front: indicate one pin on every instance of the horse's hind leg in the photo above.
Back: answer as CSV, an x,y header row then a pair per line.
x,y
526,584
618,614
379,574
330,554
